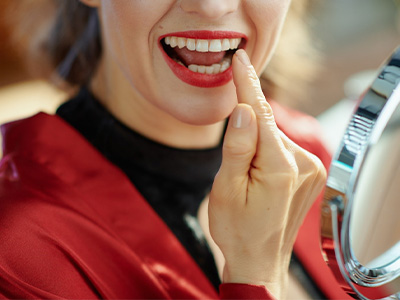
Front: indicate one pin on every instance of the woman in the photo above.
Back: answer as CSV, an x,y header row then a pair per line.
x,y
154,110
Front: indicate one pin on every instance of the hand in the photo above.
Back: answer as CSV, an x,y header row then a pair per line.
x,y
263,190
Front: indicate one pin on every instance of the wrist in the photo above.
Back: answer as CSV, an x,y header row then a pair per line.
x,y
274,276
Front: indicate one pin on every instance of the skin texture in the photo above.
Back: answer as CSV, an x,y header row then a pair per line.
x,y
271,181
272,184
135,83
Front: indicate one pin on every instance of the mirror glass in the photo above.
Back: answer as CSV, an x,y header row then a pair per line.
x,y
375,219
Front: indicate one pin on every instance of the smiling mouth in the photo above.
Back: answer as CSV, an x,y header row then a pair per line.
x,y
205,56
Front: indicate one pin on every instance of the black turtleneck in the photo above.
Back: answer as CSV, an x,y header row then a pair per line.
x,y
173,181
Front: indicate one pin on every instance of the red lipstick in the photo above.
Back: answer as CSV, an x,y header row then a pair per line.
x,y
195,78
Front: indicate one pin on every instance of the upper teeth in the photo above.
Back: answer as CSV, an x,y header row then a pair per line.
x,y
203,45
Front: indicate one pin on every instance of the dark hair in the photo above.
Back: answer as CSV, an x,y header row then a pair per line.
x,y
70,42
61,37
74,44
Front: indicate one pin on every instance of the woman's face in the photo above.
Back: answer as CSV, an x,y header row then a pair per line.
x,y
176,54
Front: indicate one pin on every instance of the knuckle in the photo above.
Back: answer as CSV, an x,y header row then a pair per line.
x,y
314,169
321,173
290,165
317,167
263,109
261,106
253,78
308,162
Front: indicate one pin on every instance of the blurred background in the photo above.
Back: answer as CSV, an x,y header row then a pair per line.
x,y
353,36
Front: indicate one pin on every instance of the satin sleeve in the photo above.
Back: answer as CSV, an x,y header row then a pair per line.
x,y
244,291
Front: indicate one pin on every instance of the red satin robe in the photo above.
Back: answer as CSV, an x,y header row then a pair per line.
x,y
73,226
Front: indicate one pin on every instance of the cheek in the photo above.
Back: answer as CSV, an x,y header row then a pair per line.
x,y
126,37
117,39
124,28
267,17
130,24
127,33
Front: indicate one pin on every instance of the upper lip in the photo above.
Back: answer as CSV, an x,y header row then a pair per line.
x,y
206,34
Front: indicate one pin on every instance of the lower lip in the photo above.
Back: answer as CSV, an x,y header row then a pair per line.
x,y
197,79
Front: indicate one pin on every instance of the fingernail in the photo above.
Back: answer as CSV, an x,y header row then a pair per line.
x,y
241,117
243,57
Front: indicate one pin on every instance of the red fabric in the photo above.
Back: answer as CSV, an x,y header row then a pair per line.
x,y
242,291
73,226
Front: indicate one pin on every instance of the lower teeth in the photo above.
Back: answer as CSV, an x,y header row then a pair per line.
x,y
213,69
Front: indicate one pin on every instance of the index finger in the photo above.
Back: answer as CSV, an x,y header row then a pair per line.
x,y
270,148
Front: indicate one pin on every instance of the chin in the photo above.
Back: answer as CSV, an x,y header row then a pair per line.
x,y
207,108
204,117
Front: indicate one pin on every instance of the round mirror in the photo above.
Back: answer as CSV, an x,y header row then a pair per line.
x,y
375,225
360,225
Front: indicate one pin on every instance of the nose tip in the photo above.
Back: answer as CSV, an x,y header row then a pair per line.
x,y
211,9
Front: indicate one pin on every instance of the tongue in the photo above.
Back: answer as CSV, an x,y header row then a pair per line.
x,y
199,58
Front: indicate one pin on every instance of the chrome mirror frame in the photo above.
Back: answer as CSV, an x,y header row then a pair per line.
x,y
364,130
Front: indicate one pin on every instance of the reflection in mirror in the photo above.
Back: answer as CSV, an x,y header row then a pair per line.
x,y
360,214
375,220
